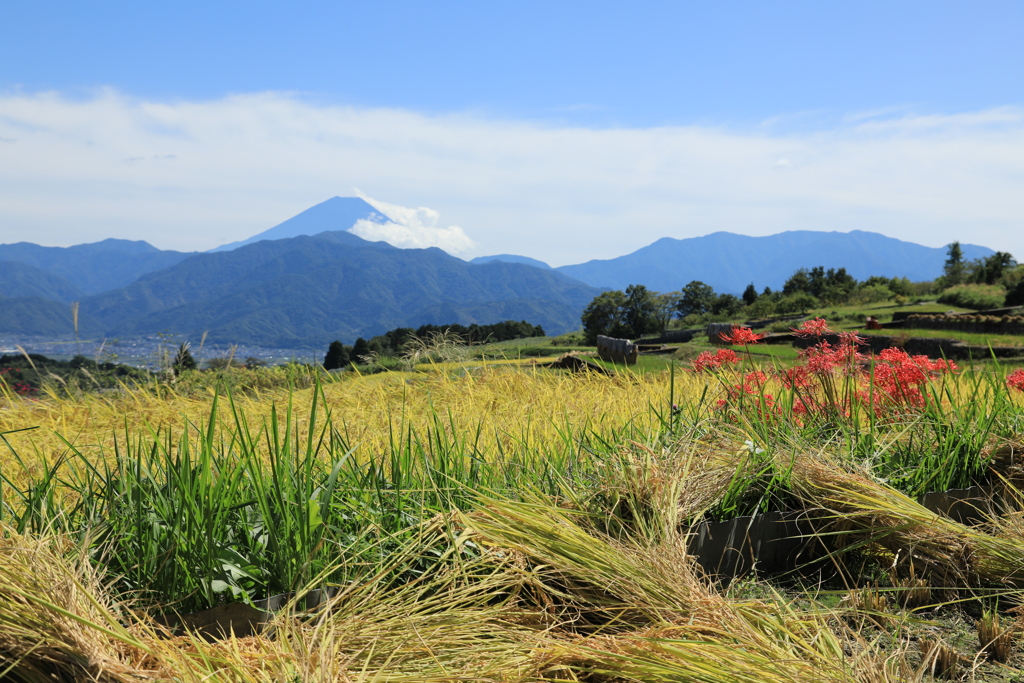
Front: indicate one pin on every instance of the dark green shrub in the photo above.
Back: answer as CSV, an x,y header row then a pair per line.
x,y
796,303
975,297
1015,297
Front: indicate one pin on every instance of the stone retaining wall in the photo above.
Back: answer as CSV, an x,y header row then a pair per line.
x,y
981,324
952,349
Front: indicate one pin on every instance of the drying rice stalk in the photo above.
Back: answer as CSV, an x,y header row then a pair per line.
x,y
641,613
873,514
53,625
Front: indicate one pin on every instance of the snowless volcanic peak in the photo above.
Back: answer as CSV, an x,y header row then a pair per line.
x,y
336,214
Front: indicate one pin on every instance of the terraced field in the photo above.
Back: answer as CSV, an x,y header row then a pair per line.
x,y
503,521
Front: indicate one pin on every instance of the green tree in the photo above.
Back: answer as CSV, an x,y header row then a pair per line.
x,y
726,305
604,316
989,271
183,360
764,306
666,304
337,356
955,270
640,312
832,286
799,302
870,294
749,294
359,350
836,286
800,281
696,298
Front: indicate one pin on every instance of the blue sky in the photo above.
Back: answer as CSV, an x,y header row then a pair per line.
x,y
564,131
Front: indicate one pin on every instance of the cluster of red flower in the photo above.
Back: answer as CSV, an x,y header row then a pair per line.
x,y
741,336
752,386
712,361
19,387
902,376
1015,380
897,377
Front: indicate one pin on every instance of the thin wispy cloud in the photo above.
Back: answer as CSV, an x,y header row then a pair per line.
x,y
561,193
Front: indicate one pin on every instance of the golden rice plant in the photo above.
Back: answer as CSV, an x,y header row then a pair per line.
x,y
57,623
873,514
629,610
510,407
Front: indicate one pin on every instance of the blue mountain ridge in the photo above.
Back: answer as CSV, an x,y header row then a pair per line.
x,y
306,291
729,262
511,258
95,267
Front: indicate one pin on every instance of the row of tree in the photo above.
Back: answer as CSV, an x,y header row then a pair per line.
x,y
394,342
990,270
639,311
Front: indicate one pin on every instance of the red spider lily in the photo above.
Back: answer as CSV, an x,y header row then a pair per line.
x,y
943,366
1016,380
797,376
753,381
851,339
712,361
741,336
813,328
901,376
753,385
823,358
752,391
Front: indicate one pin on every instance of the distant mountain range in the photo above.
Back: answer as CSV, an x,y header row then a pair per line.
x,y
729,262
307,281
307,291
96,267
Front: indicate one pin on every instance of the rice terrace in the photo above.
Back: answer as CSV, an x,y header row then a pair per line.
x,y
472,517
533,342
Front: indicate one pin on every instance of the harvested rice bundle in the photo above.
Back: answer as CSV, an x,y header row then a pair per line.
x,y
872,513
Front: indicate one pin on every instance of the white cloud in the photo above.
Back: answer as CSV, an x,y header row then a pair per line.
x,y
244,163
412,228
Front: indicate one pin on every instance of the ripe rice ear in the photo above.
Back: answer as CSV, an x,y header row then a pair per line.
x,y
949,553
54,622
873,513
592,578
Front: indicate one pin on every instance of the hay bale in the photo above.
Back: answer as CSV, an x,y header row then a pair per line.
x,y
617,350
